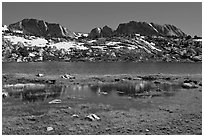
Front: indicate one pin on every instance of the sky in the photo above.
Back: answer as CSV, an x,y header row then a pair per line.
x,y
82,17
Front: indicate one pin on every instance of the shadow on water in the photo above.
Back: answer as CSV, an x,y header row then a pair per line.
x,y
119,94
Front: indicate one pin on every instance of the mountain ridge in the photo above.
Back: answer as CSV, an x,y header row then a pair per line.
x,y
42,28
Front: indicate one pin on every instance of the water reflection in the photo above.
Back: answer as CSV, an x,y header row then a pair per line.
x,y
99,93
33,92
140,89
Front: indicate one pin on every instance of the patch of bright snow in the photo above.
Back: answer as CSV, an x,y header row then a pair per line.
x,y
99,47
91,41
4,28
40,42
68,45
197,40
112,43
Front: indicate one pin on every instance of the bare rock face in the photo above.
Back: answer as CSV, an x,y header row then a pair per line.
x,y
41,28
95,33
133,27
101,32
149,29
168,30
106,31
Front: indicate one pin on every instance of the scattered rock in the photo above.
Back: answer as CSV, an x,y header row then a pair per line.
x,y
72,129
107,129
51,81
4,94
166,109
55,101
150,78
168,78
75,116
189,81
188,85
31,118
120,92
67,76
50,128
103,93
40,75
117,79
200,84
147,130
137,78
157,82
92,117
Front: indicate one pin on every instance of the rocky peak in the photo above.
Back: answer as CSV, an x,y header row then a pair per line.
x,y
148,29
106,31
133,27
101,32
168,30
41,28
95,33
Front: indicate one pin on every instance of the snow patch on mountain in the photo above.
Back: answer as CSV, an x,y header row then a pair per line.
x,y
39,42
69,45
91,41
112,43
4,28
150,45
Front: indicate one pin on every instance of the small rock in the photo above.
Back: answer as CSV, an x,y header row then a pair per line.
x,y
75,116
103,93
55,101
168,78
140,130
157,82
129,129
137,78
147,130
170,111
31,118
107,129
117,79
51,81
188,85
40,75
50,128
186,121
72,129
120,92
67,76
4,94
92,117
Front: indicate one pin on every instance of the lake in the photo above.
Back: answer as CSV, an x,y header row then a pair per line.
x,y
102,68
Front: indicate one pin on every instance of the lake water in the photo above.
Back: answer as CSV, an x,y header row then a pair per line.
x,y
100,94
102,68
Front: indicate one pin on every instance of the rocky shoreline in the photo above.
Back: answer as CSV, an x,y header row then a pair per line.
x,y
180,113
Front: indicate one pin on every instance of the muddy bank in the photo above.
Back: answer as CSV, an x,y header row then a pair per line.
x,y
178,113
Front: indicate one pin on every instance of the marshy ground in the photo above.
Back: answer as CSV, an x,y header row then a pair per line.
x,y
125,104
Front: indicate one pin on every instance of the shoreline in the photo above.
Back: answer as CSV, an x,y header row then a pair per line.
x,y
177,114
